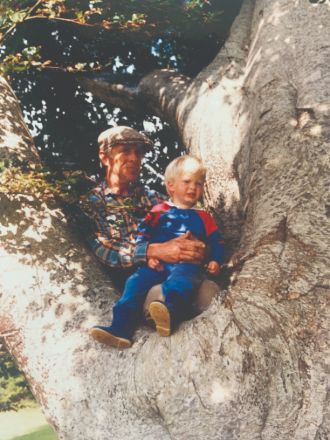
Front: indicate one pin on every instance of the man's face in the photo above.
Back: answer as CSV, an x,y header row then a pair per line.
x,y
125,162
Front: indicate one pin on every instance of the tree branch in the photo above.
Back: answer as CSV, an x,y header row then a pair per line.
x,y
64,20
159,92
118,95
15,24
106,26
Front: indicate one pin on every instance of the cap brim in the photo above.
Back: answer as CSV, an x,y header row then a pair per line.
x,y
146,146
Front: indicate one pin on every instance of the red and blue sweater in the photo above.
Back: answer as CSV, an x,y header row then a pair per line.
x,y
165,222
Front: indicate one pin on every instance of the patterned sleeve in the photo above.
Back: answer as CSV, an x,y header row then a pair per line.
x,y
146,227
120,254
110,248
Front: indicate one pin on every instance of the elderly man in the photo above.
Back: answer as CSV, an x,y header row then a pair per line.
x,y
120,202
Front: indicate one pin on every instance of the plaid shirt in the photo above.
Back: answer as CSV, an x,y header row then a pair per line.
x,y
115,218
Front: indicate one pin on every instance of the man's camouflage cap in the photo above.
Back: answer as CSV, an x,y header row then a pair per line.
x,y
122,135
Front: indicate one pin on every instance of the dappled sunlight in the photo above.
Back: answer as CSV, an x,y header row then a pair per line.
x,y
13,145
54,308
268,52
316,130
38,230
170,87
306,121
220,135
55,311
293,122
29,223
9,230
220,393
51,275
11,140
221,110
275,58
279,11
323,108
224,109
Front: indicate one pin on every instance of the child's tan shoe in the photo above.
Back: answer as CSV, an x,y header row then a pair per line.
x,y
161,316
106,337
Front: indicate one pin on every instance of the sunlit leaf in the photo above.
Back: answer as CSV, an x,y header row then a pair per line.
x,y
18,16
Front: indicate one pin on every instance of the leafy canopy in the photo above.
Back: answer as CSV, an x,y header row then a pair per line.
x,y
133,22
47,44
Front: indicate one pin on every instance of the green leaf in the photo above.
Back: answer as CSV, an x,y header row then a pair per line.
x,y
30,51
17,17
3,20
80,66
20,67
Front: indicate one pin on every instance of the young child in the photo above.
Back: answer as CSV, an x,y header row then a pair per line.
x,y
184,180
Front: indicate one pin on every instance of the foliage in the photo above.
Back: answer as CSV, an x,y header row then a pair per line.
x,y
29,58
47,44
138,21
14,392
45,185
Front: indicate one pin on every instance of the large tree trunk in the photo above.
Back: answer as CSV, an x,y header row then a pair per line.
x,y
254,366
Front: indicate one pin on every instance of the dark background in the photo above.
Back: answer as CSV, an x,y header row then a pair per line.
x,y
65,121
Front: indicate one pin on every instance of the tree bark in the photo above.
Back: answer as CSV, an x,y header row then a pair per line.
x,y
254,366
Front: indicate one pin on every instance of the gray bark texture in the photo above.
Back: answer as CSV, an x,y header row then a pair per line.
x,y
254,365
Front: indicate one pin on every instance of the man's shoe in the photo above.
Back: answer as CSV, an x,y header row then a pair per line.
x,y
161,316
104,335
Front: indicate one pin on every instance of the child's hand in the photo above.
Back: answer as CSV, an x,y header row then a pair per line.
x,y
213,267
155,264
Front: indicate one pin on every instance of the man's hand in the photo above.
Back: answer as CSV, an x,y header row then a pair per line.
x,y
182,249
213,267
105,241
155,264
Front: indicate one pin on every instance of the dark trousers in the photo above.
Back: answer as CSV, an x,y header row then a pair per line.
x,y
179,283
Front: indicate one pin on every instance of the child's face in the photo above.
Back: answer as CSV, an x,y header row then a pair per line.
x,y
186,189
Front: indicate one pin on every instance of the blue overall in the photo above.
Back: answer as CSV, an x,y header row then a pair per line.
x,y
179,284
179,281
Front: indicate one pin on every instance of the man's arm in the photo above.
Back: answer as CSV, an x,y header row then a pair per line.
x,y
120,253
127,254
116,253
182,249
106,237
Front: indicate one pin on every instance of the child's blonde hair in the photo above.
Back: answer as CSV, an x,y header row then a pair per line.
x,y
184,164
